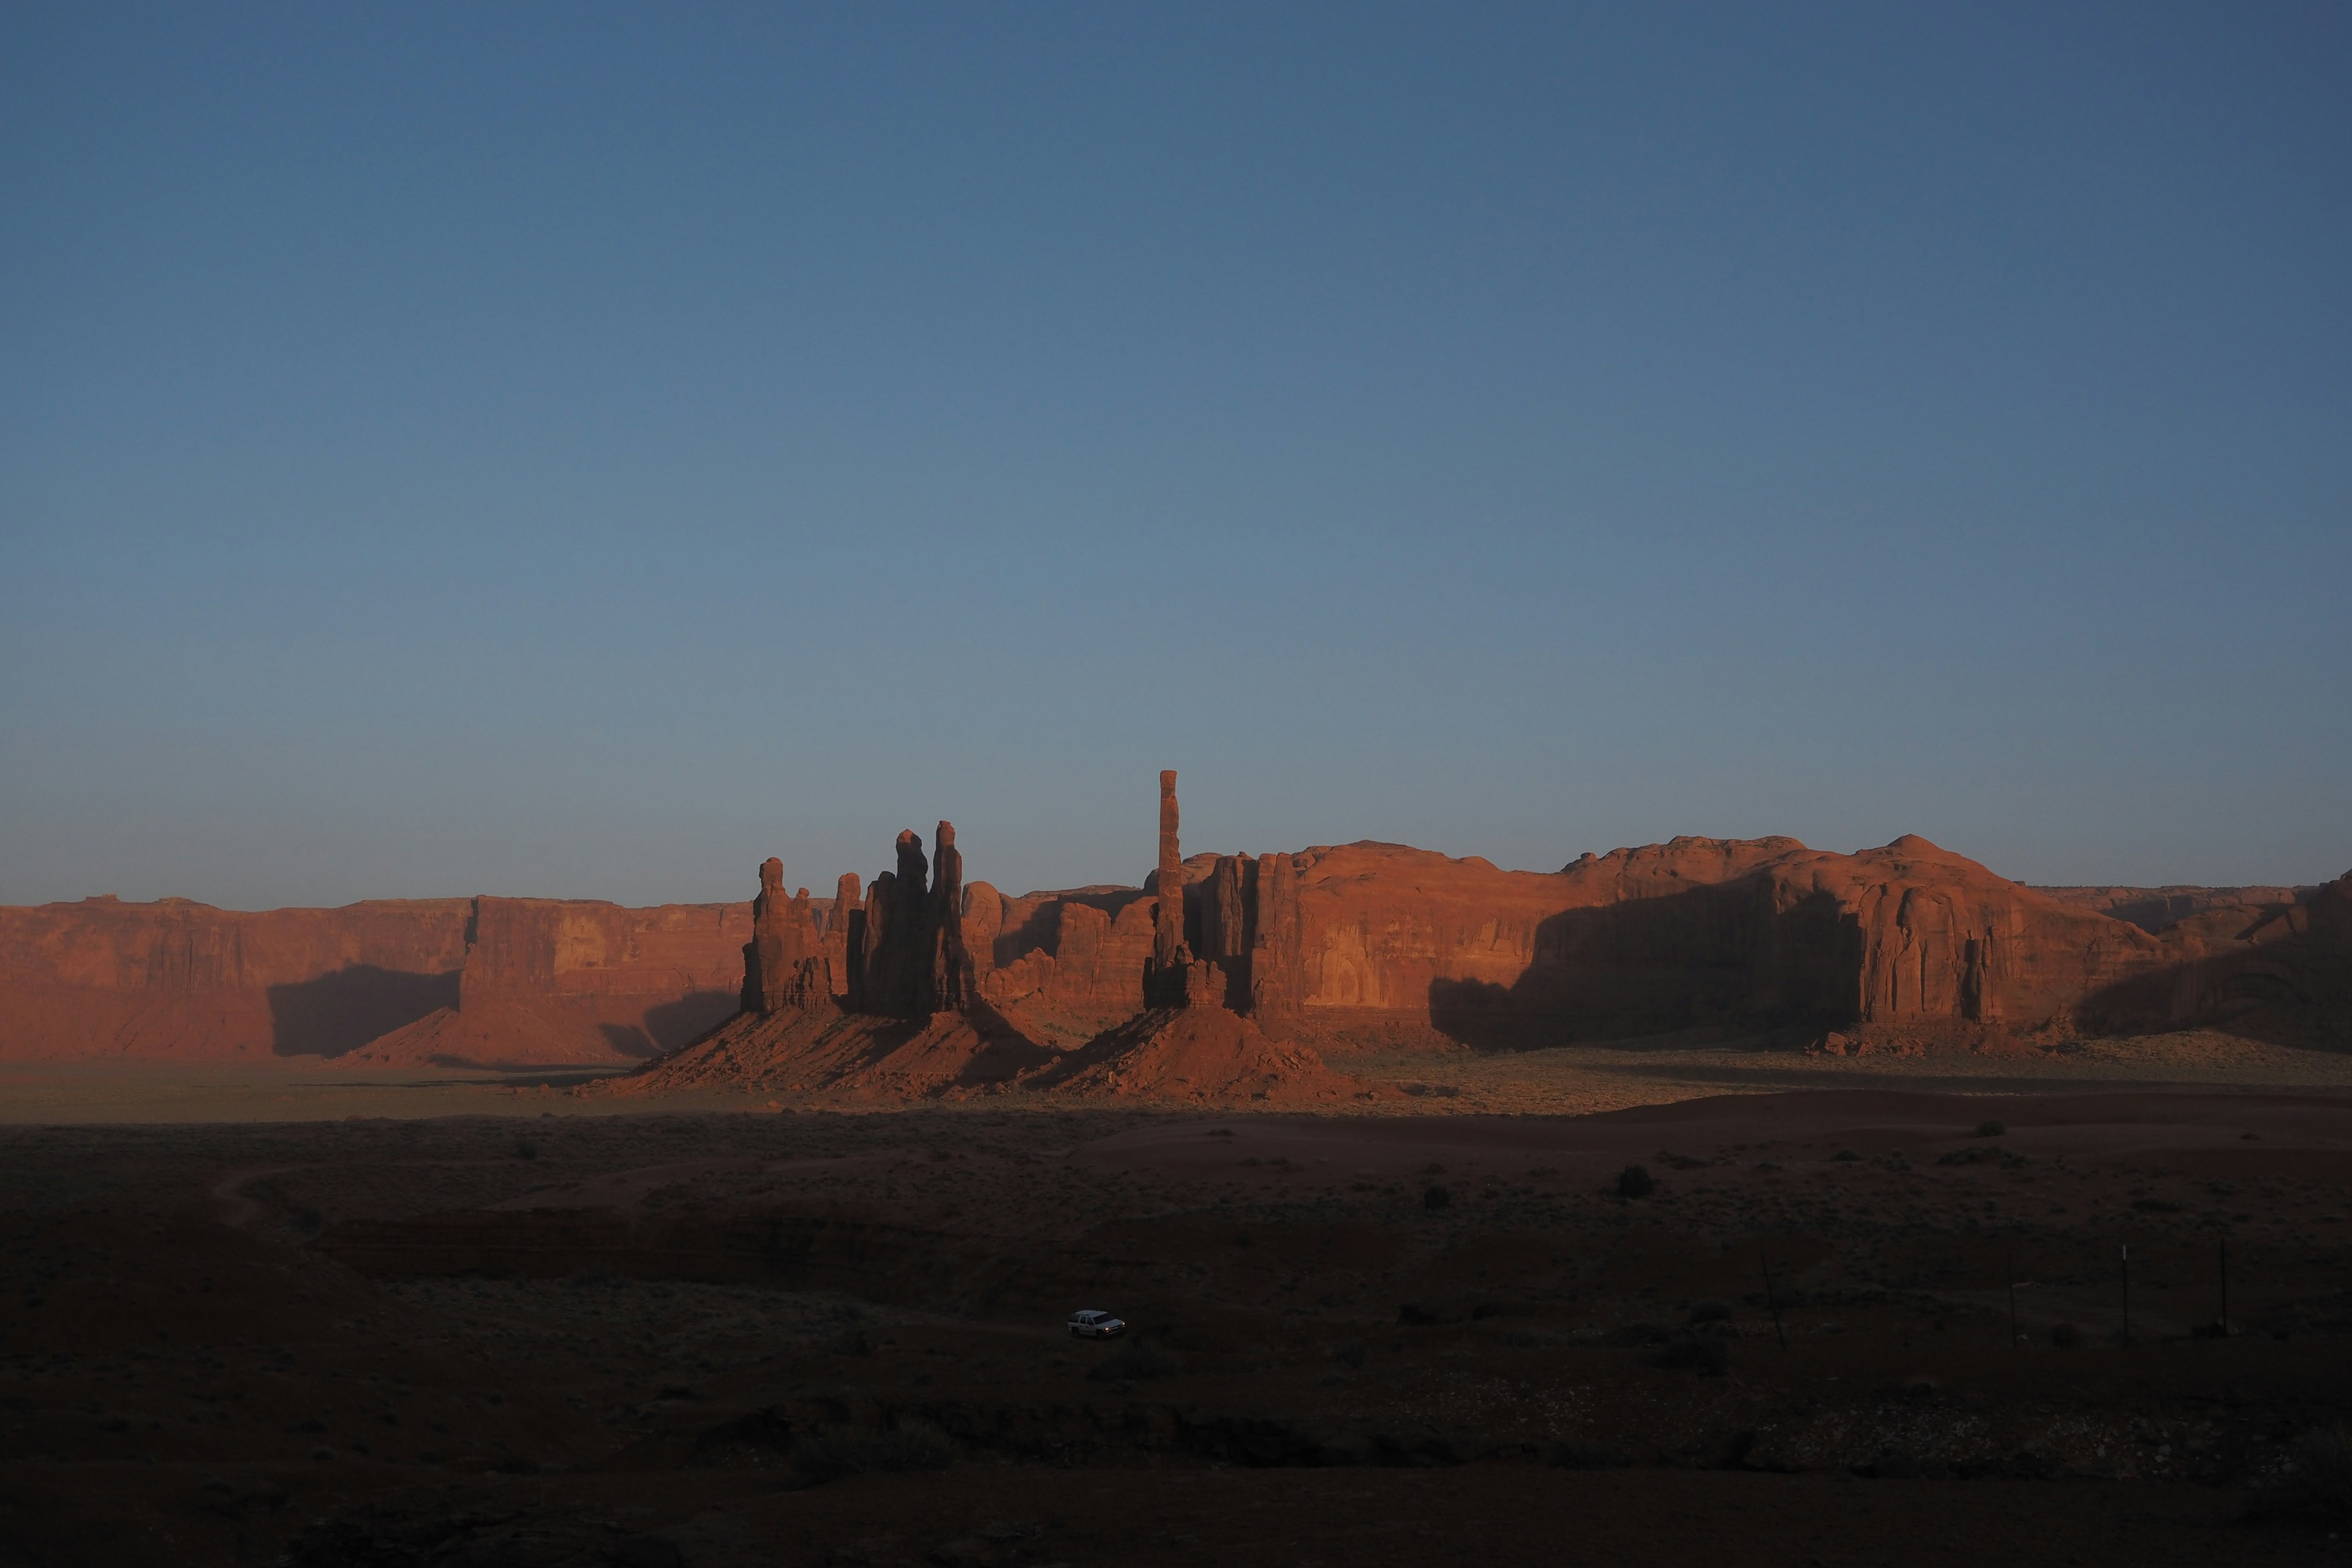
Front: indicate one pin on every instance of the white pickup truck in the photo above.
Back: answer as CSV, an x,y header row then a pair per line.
x,y
1093,1325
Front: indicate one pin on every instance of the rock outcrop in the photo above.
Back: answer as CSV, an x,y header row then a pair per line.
x,y
2153,909
783,963
1748,935
182,982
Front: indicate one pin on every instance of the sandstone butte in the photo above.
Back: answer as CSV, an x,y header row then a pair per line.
x,y
922,982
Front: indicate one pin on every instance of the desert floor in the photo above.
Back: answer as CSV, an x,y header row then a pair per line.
x,y
1871,1311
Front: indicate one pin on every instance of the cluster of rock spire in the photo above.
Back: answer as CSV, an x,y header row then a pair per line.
x,y
899,949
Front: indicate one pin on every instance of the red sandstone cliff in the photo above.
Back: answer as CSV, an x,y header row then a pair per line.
x,y
1752,934
524,979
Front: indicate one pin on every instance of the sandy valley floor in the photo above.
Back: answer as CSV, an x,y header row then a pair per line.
x,y
1867,1311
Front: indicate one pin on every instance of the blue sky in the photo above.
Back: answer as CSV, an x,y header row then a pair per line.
x,y
579,450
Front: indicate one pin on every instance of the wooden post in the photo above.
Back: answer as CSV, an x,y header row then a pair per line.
x,y
1770,1300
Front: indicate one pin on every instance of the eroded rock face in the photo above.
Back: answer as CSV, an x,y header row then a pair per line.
x,y
783,963
179,980
1165,983
947,986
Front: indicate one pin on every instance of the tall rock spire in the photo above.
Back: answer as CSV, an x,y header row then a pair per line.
x,y
1167,945
951,962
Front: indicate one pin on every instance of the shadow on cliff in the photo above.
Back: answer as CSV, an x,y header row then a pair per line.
x,y
2290,984
344,1009
1723,953
669,1025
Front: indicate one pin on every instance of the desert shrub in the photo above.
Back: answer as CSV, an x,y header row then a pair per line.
x,y
1348,1353
851,1341
830,1452
1436,1198
2065,1336
1137,1361
1709,1311
1990,1129
2156,1206
1845,1154
1704,1354
1633,1182
526,1150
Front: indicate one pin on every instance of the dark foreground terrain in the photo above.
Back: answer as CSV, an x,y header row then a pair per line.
x,y
814,1338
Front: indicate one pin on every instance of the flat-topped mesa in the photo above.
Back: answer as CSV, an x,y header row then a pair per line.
x,y
783,965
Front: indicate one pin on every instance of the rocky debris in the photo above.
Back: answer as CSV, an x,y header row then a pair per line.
x,y
1201,1053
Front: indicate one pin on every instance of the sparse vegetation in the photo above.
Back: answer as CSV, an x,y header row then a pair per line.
x,y
1635,1182
1436,1198
1990,1129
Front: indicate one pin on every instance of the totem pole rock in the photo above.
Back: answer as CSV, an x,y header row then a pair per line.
x,y
847,916
1168,942
949,982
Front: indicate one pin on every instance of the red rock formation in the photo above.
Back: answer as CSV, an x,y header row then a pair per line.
x,y
2153,909
839,919
1073,964
1698,931
177,981
1275,970
948,982
783,963
2280,972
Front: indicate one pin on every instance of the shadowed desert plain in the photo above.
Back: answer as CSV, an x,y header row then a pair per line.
x,y
1712,1202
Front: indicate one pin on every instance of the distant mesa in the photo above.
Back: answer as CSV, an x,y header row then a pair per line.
x,y
1221,977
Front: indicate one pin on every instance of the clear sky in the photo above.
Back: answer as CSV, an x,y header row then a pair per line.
x,y
579,450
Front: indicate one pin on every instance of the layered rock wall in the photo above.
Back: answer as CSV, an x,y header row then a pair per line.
x,y
178,981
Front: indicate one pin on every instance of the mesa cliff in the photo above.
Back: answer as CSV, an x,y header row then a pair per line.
x,y
922,980
408,983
